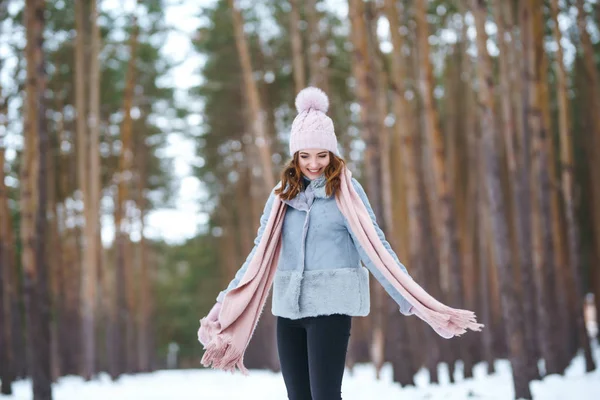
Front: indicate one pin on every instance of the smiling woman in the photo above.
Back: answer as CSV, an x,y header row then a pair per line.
x,y
313,162
316,228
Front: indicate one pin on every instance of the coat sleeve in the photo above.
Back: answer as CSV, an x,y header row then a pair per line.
x,y
263,224
405,306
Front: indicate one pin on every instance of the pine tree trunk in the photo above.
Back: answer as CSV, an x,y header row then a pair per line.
x,y
33,207
402,141
83,156
466,128
567,168
53,249
125,329
542,233
484,245
557,239
297,51
93,199
255,111
497,211
6,264
450,256
381,302
7,373
516,190
591,74
69,329
367,90
57,231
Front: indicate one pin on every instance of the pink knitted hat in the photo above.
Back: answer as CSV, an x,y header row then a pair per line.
x,y
312,128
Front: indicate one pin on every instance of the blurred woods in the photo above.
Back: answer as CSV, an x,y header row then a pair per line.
x,y
472,124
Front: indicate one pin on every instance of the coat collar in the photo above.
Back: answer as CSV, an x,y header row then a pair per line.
x,y
317,186
313,189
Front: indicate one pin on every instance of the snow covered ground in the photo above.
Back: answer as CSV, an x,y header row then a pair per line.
x,y
361,384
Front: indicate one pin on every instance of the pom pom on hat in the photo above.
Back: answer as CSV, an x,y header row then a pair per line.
x,y
312,97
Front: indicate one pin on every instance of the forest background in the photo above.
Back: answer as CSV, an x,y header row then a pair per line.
x,y
473,126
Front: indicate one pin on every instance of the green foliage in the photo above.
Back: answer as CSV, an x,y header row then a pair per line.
x,y
186,288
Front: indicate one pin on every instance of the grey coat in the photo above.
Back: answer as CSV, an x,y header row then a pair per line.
x,y
319,270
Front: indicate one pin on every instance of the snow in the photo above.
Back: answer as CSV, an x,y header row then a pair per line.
x,y
358,384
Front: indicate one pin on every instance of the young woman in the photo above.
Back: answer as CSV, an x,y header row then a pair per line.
x,y
316,228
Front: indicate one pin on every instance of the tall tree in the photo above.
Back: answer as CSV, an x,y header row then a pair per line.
x,y
124,266
497,210
519,209
6,265
93,197
593,88
402,139
88,273
544,261
143,317
450,256
568,191
368,89
256,113
33,206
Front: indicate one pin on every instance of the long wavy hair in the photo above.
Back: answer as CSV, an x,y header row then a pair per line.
x,y
291,177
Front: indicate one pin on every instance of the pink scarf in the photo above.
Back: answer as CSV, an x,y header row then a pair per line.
x,y
242,306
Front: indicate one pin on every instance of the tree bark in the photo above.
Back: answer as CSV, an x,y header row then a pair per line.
x,y
125,328
591,72
53,249
450,256
7,372
88,273
556,239
93,198
297,51
524,258
255,111
33,206
145,292
544,261
497,212
364,69
403,140
568,189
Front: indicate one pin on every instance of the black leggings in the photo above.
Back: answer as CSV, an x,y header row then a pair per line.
x,y
312,353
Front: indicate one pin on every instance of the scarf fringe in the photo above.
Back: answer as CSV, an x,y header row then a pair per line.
x,y
450,322
222,354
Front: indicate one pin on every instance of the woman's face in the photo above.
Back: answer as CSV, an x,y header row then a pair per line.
x,y
313,162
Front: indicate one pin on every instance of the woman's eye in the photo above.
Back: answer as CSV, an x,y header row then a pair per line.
x,y
323,156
